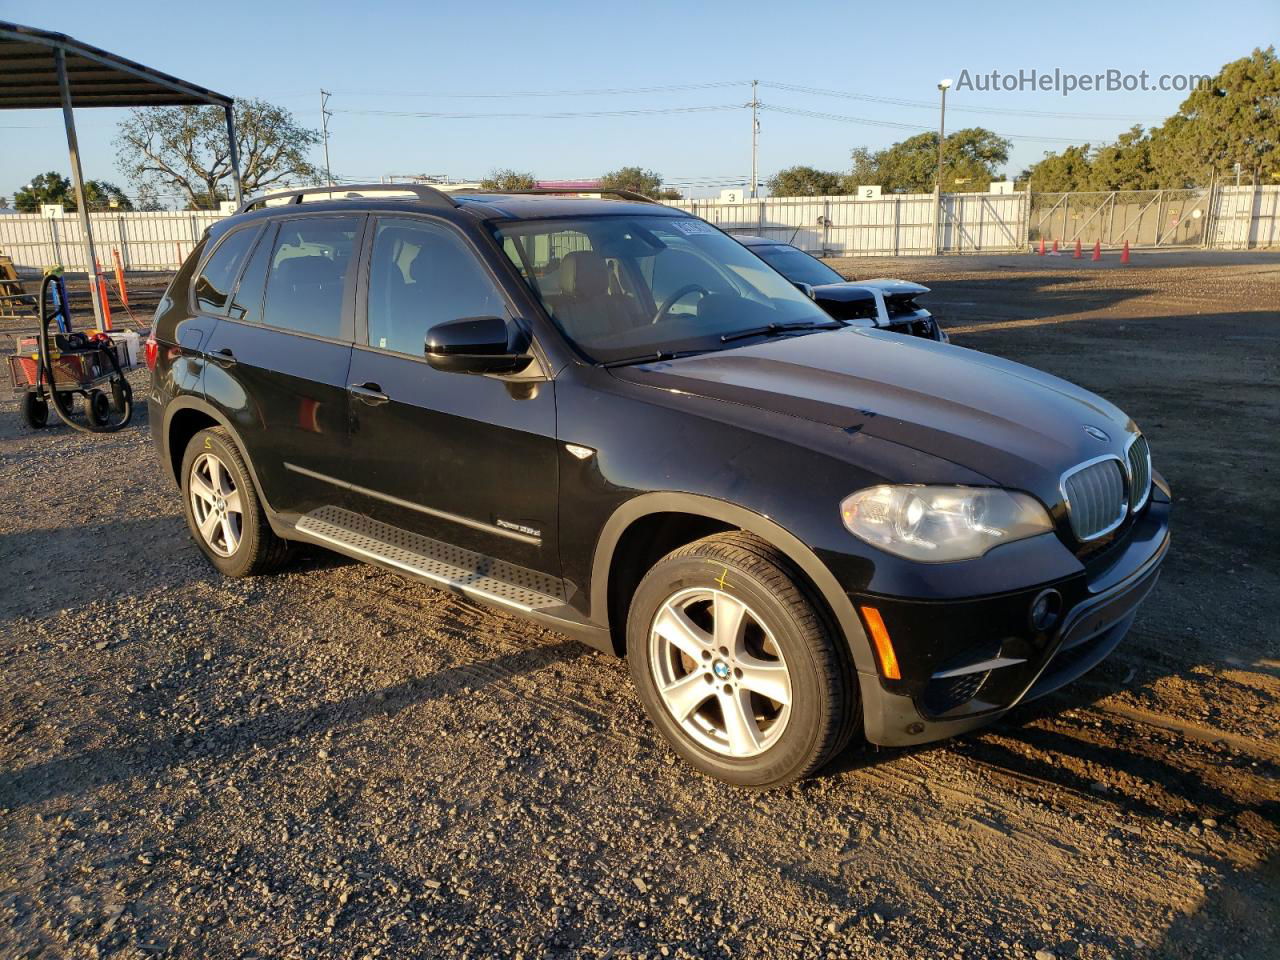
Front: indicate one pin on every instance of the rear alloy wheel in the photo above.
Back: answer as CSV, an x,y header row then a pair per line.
x,y
223,511
736,666
217,505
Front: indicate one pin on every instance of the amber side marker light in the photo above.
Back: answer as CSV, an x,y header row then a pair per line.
x,y
884,647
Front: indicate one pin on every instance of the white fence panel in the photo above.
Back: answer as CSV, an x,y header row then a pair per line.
x,y
899,224
1246,217
1243,217
145,241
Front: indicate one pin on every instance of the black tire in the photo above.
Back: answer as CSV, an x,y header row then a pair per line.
x,y
35,410
258,549
98,408
121,395
824,707
66,401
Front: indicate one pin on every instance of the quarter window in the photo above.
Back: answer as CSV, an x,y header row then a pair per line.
x,y
420,275
307,277
213,286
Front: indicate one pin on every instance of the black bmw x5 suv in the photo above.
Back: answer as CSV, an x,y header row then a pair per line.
x,y
610,417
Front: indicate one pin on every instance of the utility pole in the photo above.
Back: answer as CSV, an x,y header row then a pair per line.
x,y
755,136
325,114
937,189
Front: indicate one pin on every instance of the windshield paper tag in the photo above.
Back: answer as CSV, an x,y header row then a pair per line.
x,y
693,227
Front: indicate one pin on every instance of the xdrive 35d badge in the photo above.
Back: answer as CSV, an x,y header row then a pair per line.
x,y
611,418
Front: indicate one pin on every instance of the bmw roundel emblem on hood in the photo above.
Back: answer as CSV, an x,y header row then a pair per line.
x,y
1096,433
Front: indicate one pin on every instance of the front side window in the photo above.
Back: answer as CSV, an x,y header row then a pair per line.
x,y
213,286
624,286
421,274
306,280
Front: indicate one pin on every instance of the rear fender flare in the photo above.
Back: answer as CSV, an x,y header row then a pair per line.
x,y
212,412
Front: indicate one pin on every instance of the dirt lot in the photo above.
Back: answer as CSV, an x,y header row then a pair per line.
x,y
336,762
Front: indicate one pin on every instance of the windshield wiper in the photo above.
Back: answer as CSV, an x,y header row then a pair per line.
x,y
653,357
774,328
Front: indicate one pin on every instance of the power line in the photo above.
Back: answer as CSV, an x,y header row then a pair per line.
x,y
841,118
558,115
516,94
927,105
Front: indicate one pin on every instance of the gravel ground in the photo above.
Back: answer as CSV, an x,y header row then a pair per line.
x,y
336,762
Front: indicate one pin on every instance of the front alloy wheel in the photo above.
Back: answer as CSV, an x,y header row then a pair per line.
x,y
737,666
720,672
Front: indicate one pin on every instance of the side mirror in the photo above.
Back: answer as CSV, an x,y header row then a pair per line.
x,y
476,345
806,289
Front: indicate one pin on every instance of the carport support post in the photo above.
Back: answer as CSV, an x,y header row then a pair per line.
x,y
235,153
77,179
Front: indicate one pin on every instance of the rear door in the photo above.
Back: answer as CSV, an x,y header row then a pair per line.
x,y
464,459
278,360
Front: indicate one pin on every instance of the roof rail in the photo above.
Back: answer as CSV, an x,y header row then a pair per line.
x,y
563,191
427,195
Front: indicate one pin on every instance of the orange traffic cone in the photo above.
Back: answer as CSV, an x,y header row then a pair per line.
x,y
1055,248
1041,246
1079,253
1097,250
1124,254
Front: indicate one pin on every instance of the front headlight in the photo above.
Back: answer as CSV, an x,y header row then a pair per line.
x,y
937,524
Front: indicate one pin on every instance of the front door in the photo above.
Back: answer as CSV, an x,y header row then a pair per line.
x,y
464,459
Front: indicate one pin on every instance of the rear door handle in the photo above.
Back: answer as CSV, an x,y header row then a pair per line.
x,y
369,393
223,357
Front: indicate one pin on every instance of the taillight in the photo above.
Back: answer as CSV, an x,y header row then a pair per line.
x,y
152,351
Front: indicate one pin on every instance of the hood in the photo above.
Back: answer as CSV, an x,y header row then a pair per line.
x,y
862,289
1013,424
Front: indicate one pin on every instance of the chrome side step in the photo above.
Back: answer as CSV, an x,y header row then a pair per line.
x,y
440,563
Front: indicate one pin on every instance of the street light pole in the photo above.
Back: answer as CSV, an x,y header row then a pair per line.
x,y
937,184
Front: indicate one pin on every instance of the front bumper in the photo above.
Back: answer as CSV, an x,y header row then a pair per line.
x,y
942,703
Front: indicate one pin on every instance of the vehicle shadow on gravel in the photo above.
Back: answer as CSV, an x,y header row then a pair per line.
x,y
92,770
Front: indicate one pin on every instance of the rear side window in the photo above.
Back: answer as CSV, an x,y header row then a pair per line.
x,y
246,304
306,278
213,286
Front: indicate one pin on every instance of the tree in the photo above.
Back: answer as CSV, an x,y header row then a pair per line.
x,y
53,187
635,179
804,181
504,179
1060,172
1234,119
186,148
970,159
1123,165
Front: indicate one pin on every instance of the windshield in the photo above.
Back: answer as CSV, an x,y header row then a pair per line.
x,y
622,287
796,265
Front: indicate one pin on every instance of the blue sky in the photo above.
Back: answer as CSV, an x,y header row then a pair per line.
x,y
400,56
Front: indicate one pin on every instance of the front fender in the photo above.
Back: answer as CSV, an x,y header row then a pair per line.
x,y
771,532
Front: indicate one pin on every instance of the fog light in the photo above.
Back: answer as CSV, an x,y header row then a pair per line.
x,y
1044,611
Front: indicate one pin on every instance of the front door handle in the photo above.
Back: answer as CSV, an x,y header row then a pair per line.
x,y
369,393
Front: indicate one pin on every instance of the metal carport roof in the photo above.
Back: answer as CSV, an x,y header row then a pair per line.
x,y
97,78
41,69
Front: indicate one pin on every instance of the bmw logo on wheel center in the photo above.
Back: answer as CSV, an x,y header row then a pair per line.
x,y
720,669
